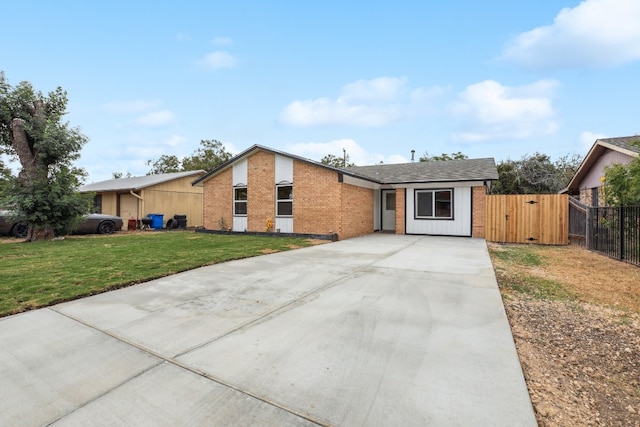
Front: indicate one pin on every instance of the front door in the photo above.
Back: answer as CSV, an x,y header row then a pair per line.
x,y
389,210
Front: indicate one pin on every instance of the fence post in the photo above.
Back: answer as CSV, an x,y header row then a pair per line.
x,y
587,233
621,219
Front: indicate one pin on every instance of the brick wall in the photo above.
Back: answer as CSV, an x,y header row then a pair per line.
x,y
586,196
316,199
218,200
261,190
479,201
321,204
357,211
400,216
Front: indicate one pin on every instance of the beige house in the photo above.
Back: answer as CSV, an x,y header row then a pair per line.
x,y
168,194
587,183
262,189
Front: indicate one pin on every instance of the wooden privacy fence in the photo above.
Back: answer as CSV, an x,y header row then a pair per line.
x,y
528,218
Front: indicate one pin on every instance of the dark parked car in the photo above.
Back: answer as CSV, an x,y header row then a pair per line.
x,y
10,226
92,223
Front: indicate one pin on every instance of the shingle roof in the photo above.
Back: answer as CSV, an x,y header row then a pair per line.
x,y
437,171
624,142
135,182
255,148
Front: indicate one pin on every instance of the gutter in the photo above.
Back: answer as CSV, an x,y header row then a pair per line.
x,y
140,208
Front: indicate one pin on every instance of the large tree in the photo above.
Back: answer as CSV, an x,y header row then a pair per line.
x,y
444,156
32,131
209,155
535,174
337,162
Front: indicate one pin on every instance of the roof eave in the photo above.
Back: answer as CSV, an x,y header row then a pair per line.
x,y
225,165
428,181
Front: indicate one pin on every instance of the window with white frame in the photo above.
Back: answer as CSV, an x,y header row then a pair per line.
x,y
240,201
434,204
284,200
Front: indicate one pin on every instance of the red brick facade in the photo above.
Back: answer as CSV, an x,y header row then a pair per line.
x,y
478,215
316,199
218,201
322,204
261,195
400,216
357,211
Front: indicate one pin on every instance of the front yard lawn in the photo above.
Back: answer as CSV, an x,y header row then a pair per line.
x,y
38,274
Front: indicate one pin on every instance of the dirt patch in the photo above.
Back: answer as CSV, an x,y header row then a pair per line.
x,y
580,354
268,251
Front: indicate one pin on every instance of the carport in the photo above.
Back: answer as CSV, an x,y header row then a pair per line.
x,y
376,330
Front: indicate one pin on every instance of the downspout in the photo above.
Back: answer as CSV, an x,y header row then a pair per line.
x,y
140,208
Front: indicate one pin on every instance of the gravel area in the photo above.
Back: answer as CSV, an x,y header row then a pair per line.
x,y
580,354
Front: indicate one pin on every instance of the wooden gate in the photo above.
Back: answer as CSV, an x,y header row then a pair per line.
x,y
528,218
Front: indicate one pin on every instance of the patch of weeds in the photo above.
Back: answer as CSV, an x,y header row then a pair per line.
x,y
521,255
537,287
624,320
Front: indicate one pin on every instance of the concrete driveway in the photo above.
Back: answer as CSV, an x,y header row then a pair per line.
x,y
385,330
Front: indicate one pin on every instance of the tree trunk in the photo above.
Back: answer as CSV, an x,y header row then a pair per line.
x,y
40,234
30,173
23,150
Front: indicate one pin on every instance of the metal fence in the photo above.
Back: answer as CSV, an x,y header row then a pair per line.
x,y
615,232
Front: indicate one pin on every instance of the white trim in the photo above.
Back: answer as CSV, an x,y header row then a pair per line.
x,y
434,201
360,182
239,201
283,168
290,199
240,173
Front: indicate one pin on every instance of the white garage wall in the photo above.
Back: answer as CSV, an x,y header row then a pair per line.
x,y
459,226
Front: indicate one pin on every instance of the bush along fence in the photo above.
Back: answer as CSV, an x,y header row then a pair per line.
x,y
615,232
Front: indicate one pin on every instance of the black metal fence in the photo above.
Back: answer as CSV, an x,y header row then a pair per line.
x,y
615,232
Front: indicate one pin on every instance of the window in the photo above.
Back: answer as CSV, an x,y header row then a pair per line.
x,y
433,204
390,202
284,200
97,203
240,201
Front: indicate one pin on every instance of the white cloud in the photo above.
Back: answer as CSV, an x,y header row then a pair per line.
x,y
588,138
596,33
357,154
222,41
488,110
219,59
155,119
175,140
365,103
131,107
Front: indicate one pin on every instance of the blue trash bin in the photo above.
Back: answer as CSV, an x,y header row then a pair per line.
x,y
156,221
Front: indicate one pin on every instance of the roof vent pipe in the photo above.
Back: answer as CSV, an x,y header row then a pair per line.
x,y
413,152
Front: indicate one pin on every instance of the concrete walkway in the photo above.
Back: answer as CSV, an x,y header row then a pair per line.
x,y
380,330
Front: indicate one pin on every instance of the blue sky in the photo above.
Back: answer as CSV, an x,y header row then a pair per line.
x,y
490,79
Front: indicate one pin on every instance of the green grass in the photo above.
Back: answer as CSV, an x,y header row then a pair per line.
x,y
538,287
43,273
518,254
514,266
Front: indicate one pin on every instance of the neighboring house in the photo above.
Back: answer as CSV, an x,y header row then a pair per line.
x,y
303,196
587,183
168,194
